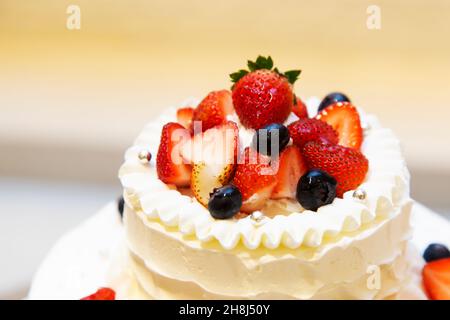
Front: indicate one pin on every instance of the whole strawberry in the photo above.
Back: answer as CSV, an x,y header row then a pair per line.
x,y
305,130
263,95
347,165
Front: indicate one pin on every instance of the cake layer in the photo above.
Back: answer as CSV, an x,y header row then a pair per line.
x,y
170,265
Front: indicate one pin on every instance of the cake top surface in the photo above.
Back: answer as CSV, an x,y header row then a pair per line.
x,y
250,166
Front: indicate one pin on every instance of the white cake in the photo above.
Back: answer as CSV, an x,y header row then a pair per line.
x,y
353,248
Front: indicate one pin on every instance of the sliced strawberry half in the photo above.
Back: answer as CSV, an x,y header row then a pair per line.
x,y
436,279
255,179
102,294
299,109
217,144
348,166
184,117
291,167
305,130
344,118
213,156
170,167
213,109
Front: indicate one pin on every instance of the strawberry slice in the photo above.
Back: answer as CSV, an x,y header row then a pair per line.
x,y
184,117
170,166
305,130
102,294
436,279
213,155
347,165
255,179
213,109
291,167
299,109
344,118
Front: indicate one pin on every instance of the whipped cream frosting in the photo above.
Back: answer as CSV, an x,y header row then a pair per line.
x,y
169,265
386,186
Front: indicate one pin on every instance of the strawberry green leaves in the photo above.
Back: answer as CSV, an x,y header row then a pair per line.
x,y
236,76
260,63
292,75
264,63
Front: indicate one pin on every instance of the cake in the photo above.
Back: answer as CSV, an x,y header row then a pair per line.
x,y
330,219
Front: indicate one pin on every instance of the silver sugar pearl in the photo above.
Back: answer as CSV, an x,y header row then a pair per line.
x,y
257,216
359,194
144,156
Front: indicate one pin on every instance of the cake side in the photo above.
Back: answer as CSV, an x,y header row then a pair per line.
x,y
169,265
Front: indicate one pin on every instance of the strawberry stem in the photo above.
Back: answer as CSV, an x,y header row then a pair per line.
x,y
264,63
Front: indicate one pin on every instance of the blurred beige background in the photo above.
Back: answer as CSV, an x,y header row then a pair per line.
x,y
71,101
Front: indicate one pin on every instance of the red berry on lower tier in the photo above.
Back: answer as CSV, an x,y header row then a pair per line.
x,y
436,279
102,294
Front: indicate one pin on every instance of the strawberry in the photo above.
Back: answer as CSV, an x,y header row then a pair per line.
x,y
347,165
344,118
436,279
169,164
291,167
305,130
255,179
102,294
213,109
263,96
213,155
299,108
184,117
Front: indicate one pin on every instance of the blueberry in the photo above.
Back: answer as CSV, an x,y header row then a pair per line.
x,y
225,202
120,205
332,98
436,251
273,137
316,188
